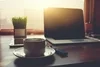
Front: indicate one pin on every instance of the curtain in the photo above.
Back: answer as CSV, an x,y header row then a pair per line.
x,y
96,21
89,11
88,15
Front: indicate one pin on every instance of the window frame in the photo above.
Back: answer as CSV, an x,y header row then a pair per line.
x,y
29,31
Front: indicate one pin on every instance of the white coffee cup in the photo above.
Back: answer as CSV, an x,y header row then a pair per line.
x,y
34,47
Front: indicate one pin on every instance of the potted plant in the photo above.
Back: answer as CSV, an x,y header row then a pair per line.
x,y
19,24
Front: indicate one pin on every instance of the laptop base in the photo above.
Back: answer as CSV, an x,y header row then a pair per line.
x,y
89,40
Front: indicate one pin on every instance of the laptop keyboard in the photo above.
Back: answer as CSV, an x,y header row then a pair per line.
x,y
68,39
73,41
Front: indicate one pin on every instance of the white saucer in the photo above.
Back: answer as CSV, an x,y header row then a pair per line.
x,y
20,53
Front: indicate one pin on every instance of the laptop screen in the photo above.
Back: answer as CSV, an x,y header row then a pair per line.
x,y
63,23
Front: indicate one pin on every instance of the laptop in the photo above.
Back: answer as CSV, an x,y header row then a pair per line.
x,y
65,26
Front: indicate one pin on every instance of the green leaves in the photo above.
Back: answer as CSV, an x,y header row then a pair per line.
x,y
19,19
19,22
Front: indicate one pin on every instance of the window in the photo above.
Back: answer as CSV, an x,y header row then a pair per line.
x,y
33,9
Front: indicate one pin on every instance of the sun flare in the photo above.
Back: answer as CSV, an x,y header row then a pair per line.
x,y
39,3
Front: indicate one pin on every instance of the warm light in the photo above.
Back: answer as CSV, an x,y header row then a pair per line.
x,y
1,0
53,3
39,3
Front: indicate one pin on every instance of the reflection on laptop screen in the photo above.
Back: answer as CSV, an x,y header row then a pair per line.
x,y
63,23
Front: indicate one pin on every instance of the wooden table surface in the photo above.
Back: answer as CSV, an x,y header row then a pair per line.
x,y
85,54
5,52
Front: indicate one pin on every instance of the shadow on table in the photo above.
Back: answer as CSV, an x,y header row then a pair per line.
x,y
39,62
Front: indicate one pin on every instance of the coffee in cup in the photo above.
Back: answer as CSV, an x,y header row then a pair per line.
x,y
34,47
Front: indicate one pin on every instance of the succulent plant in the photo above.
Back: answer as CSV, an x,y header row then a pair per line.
x,y
19,22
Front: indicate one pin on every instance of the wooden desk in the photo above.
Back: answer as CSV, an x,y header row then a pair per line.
x,y
6,55
87,55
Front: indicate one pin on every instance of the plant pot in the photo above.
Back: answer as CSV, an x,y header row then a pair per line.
x,y
19,25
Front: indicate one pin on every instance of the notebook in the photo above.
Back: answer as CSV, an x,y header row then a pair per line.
x,y
65,26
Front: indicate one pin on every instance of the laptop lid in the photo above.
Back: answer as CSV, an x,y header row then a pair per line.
x,y
63,23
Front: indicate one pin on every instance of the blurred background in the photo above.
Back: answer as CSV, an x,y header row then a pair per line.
x,y
33,9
